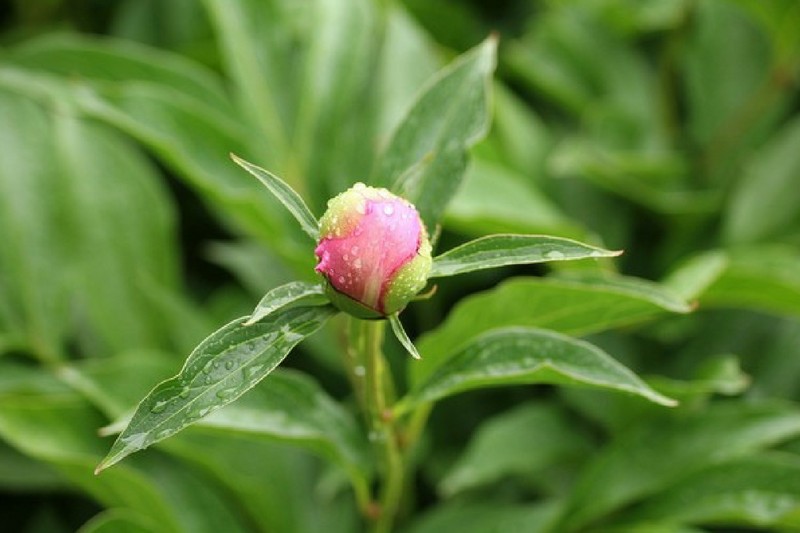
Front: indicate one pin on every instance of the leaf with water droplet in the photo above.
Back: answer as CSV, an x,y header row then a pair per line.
x,y
291,406
159,406
194,390
293,294
502,250
517,356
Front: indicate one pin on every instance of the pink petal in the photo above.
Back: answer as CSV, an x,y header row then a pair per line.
x,y
362,263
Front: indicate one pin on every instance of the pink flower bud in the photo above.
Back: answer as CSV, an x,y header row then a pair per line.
x,y
373,251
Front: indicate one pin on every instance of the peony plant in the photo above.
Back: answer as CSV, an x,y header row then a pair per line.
x,y
374,255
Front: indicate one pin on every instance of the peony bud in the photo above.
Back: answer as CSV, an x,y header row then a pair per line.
x,y
373,251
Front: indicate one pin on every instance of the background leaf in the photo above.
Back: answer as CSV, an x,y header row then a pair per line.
x,y
449,116
520,442
760,491
651,456
763,277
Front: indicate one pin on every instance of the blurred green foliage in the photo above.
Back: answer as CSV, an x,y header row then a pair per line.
x,y
665,128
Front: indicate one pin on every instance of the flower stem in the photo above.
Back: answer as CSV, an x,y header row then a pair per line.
x,y
383,432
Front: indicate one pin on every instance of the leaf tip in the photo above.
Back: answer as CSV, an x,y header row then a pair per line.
x,y
101,466
666,401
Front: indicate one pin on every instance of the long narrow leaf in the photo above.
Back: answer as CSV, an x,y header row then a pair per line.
x,y
518,356
427,155
402,336
495,251
223,367
287,196
294,294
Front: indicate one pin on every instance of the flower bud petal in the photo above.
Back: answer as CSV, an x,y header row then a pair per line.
x,y
373,251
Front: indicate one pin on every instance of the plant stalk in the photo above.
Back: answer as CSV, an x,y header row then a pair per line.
x,y
382,430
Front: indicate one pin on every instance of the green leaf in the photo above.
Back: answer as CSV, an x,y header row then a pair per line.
x,y
117,521
75,57
106,184
482,517
728,58
34,294
292,407
516,206
762,491
520,442
57,426
196,140
572,306
114,385
287,196
522,356
338,104
402,336
293,294
658,180
766,201
449,116
495,251
223,367
19,472
765,277
693,277
716,375
278,486
255,41
88,232
651,456
235,442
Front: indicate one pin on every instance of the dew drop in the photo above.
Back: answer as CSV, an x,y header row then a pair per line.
x,y
163,434
252,371
359,371
341,279
159,407
207,368
554,255
388,210
137,440
357,263
229,365
184,393
224,394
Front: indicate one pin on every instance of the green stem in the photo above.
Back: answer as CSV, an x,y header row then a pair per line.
x,y
383,433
